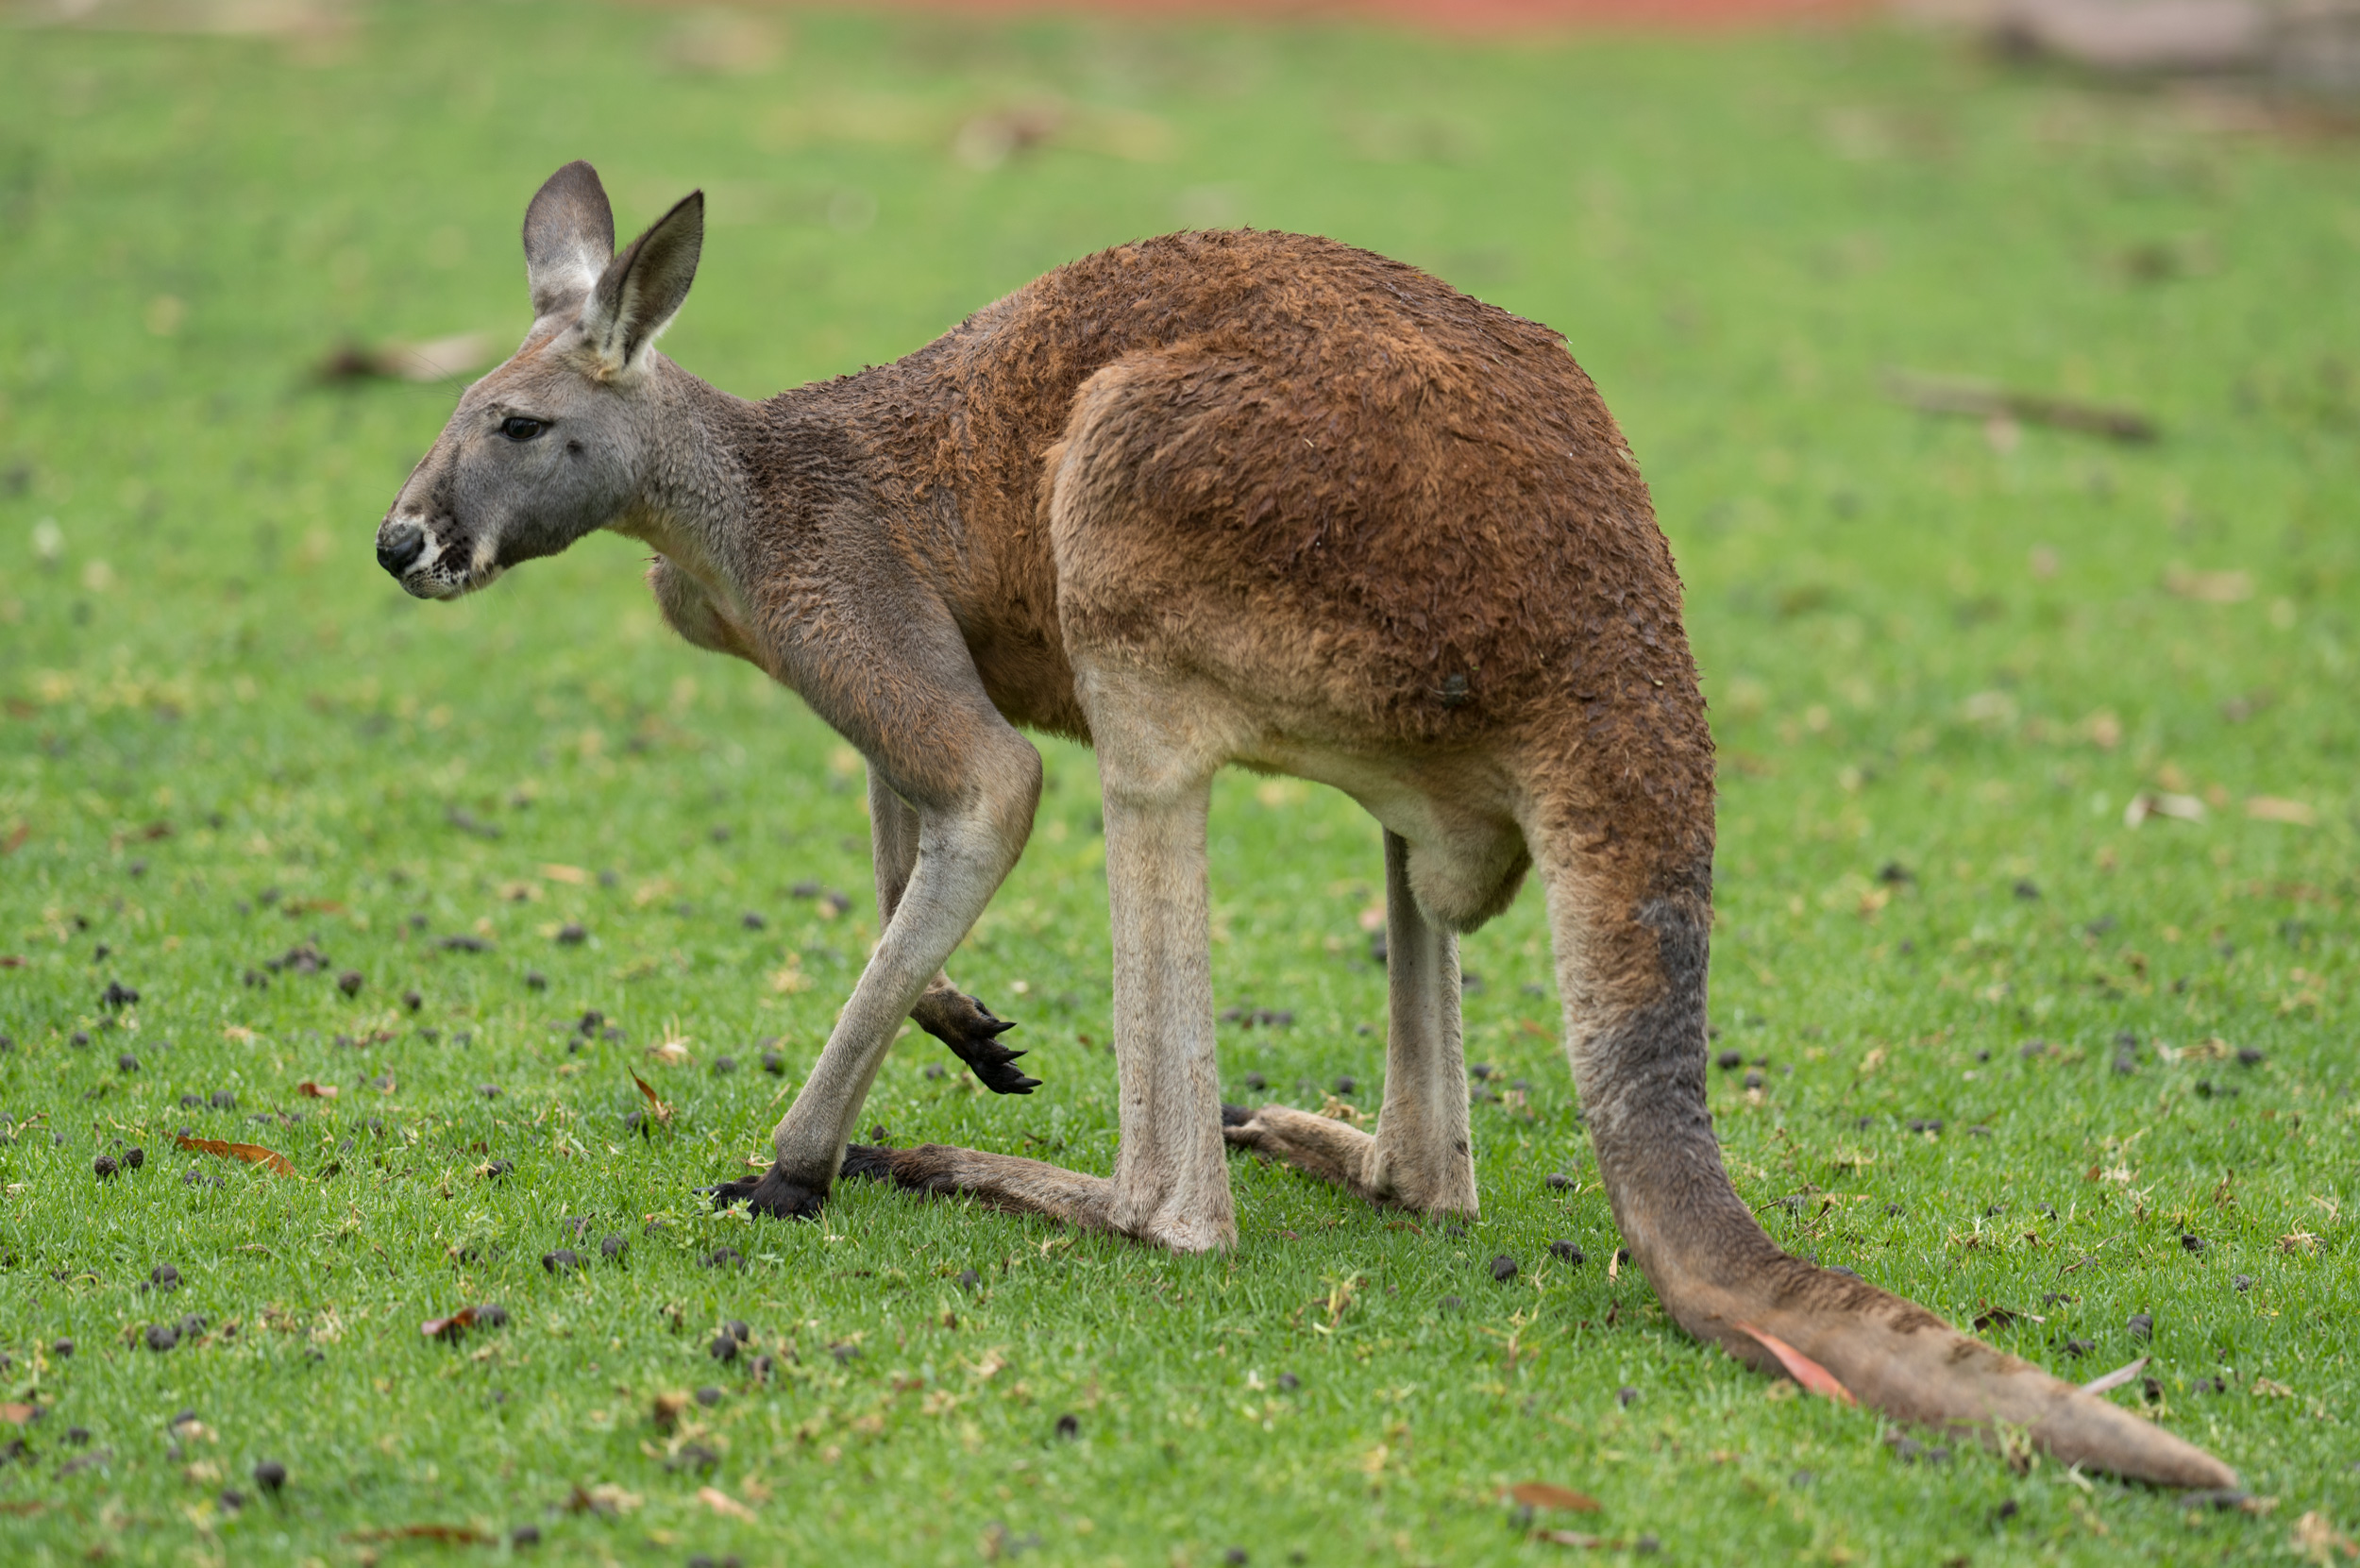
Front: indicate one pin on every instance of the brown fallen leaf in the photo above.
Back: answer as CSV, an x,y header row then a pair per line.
x,y
450,1327
606,1497
2317,1537
459,1535
15,840
656,1107
18,1415
1545,1494
2116,1379
572,874
252,1153
1809,1374
1575,1538
2271,808
310,1090
434,360
1978,401
2208,587
671,1053
722,1503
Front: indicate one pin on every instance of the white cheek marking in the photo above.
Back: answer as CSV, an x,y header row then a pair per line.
x,y
486,551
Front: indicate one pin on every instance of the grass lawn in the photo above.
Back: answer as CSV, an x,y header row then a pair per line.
x,y
2006,1049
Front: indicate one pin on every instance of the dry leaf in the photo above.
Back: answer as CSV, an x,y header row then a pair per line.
x,y
2271,1388
573,874
456,1535
2209,588
1575,1538
722,1503
1542,1494
2184,808
606,1497
1809,1374
656,1107
671,1053
788,980
253,1153
2271,808
2317,1537
2116,1379
18,1414
2299,1242
310,1090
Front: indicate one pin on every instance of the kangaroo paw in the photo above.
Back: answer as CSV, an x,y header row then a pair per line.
x,y
774,1193
971,1030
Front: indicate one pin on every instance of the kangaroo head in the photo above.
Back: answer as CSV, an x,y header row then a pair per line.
x,y
556,442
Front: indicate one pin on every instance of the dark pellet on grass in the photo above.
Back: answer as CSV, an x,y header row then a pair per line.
x,y
1647,1545
126,1062
1235,1554
191,1325
724,1258
2248,1056
742,1332
751,921
969,1279
163,1277
563,1259
1449,1303
270,1475
1893,1208
77,1038
844,1352
2078,1348
1255,1082
708,1396
102,1167
1289,1382
1754,1080
491,1315
1503,1267
2008,1508
134,1158
724,1066
2241,1283
78,1437
61,1349
1068,1425
570,934
413,1001
524,1535
2141,1326
498,1169
161,1337
489,1091
724,1347
1346,1084
613,1246
1557,1181
775,1065
1622,1256
1729,1061
1625,1395
1567,1253
2191,1243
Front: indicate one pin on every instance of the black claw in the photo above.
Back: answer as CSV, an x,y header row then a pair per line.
x,y
971,1030
1235,1116
771,1193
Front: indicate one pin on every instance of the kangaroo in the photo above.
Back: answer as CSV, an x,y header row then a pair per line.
x,y
1213,498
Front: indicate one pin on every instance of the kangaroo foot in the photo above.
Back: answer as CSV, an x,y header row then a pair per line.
x,y
1005,1182
774,1193
969,1028
1318,1145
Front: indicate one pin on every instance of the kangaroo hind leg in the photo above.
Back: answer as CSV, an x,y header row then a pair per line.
x,y
1422,1155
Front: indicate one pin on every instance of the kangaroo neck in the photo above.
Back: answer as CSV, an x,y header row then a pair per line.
x,y
695,496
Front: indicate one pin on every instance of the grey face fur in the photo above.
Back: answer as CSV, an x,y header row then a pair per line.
x,y
551,446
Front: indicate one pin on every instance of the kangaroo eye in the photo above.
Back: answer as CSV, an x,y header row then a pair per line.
x,y
518,427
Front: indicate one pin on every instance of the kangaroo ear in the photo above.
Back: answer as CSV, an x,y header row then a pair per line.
x,y
642,288
569,236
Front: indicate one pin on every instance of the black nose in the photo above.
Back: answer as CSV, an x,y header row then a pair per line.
x,y
398,545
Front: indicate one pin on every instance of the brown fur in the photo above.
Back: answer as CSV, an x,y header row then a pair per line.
x,y
1208,499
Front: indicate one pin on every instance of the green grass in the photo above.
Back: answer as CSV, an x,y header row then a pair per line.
x,y
225,733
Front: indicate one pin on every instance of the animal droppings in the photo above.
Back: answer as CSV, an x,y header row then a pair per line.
x,y
1729,1061
742,1332
1754,1080
498,1169
1234,1556
571,934
708,1396
1068,1425
163,1277
102,1167
524,1535
751,921
775,1065
1567,1253
1558,1181
2241,1283
161,1337
2141,1326
724,1258
1625,1395
969,1279
613,1246
126,1062
1449,1303
724,1066
2192,1243
1346,1084
559,1261
270,1475
134,1158
1289,1382
63,1348
1503,1267
724,1347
